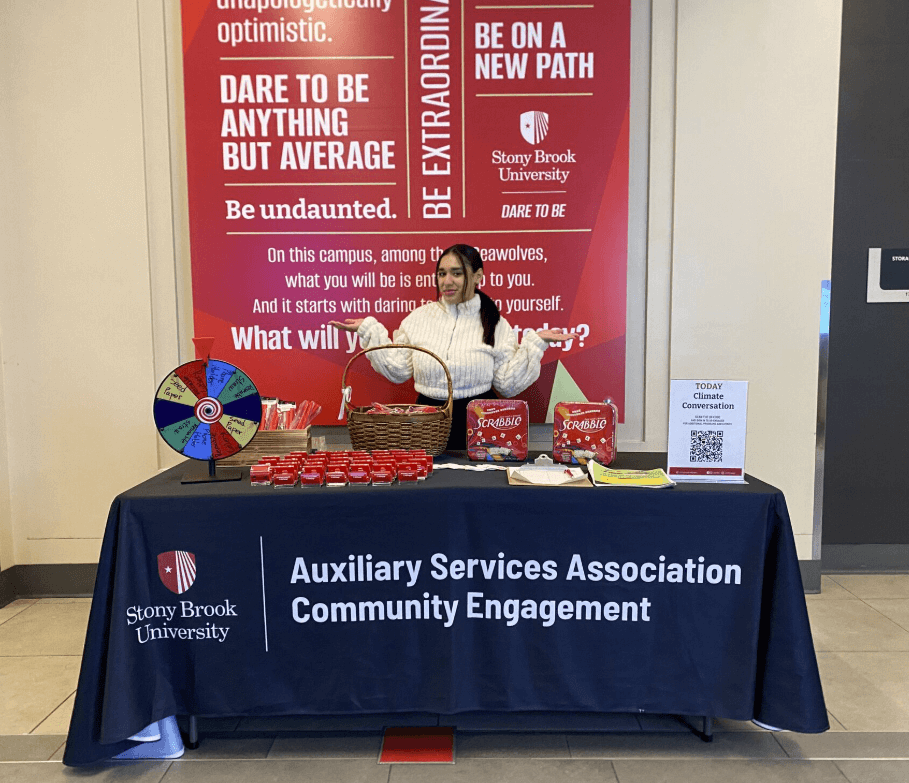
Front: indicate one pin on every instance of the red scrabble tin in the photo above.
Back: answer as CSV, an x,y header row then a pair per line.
x,y
582,431
497,430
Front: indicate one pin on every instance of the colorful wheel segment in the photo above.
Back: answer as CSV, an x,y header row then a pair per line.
x,y
207,410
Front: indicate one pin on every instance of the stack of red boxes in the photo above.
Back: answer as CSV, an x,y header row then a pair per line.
x,y
313,471
340,468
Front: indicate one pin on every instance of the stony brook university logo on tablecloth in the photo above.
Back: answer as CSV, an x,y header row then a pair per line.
x,y
183,620
177,570
534,126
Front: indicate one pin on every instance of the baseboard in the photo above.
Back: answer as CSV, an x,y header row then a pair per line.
x,y
811,575
865,558
7,592
49,580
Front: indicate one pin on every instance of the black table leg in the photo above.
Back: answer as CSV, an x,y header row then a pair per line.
x,y
192,741
691,722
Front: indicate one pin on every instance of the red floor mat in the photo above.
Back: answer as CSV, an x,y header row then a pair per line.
x,y
418,745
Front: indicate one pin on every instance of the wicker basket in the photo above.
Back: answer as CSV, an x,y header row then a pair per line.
x,y
266,443
371,431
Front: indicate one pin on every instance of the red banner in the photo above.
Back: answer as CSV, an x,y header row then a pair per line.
x,y
335,146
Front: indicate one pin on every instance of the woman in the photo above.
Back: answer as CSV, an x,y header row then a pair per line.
x,y
465,329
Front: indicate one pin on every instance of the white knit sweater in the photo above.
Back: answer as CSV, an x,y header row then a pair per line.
x,y
454,333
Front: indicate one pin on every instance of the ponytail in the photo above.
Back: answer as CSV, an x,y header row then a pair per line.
x,y
489,317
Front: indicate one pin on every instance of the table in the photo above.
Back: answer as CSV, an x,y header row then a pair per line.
x,y
673,601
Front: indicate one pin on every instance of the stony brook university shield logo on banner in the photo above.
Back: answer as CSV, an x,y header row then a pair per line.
x,y
177,570
534,126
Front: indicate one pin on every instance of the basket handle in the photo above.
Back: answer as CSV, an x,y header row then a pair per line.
x,y
348,406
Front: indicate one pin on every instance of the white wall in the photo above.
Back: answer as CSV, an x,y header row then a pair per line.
x,y
75,312
742,132
756,99
6,254
6,512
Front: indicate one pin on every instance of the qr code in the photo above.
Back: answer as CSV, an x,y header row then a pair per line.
x,y
706,446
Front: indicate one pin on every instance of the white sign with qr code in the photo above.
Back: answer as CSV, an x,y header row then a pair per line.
x,y
707,425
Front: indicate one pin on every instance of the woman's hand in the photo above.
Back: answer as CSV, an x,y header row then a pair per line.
x,y
555,335
349,325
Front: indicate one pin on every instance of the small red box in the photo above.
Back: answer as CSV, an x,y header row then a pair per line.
x,y
312,474
284,478
582,431
260,474
417,465
497,430
425,459
408,473
336,477
359,474
382,474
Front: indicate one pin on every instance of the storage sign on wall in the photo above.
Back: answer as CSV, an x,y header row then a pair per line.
x,y
334,147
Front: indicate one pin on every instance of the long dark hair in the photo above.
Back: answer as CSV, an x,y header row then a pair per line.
x,y
469,258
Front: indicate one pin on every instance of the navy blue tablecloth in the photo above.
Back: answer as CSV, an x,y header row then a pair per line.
x,y
456,594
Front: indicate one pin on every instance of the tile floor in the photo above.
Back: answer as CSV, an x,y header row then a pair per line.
x,y
861,632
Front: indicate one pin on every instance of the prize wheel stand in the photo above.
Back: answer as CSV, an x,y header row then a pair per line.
x,y
207,410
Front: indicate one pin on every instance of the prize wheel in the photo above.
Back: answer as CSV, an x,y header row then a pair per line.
x,y
207,410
